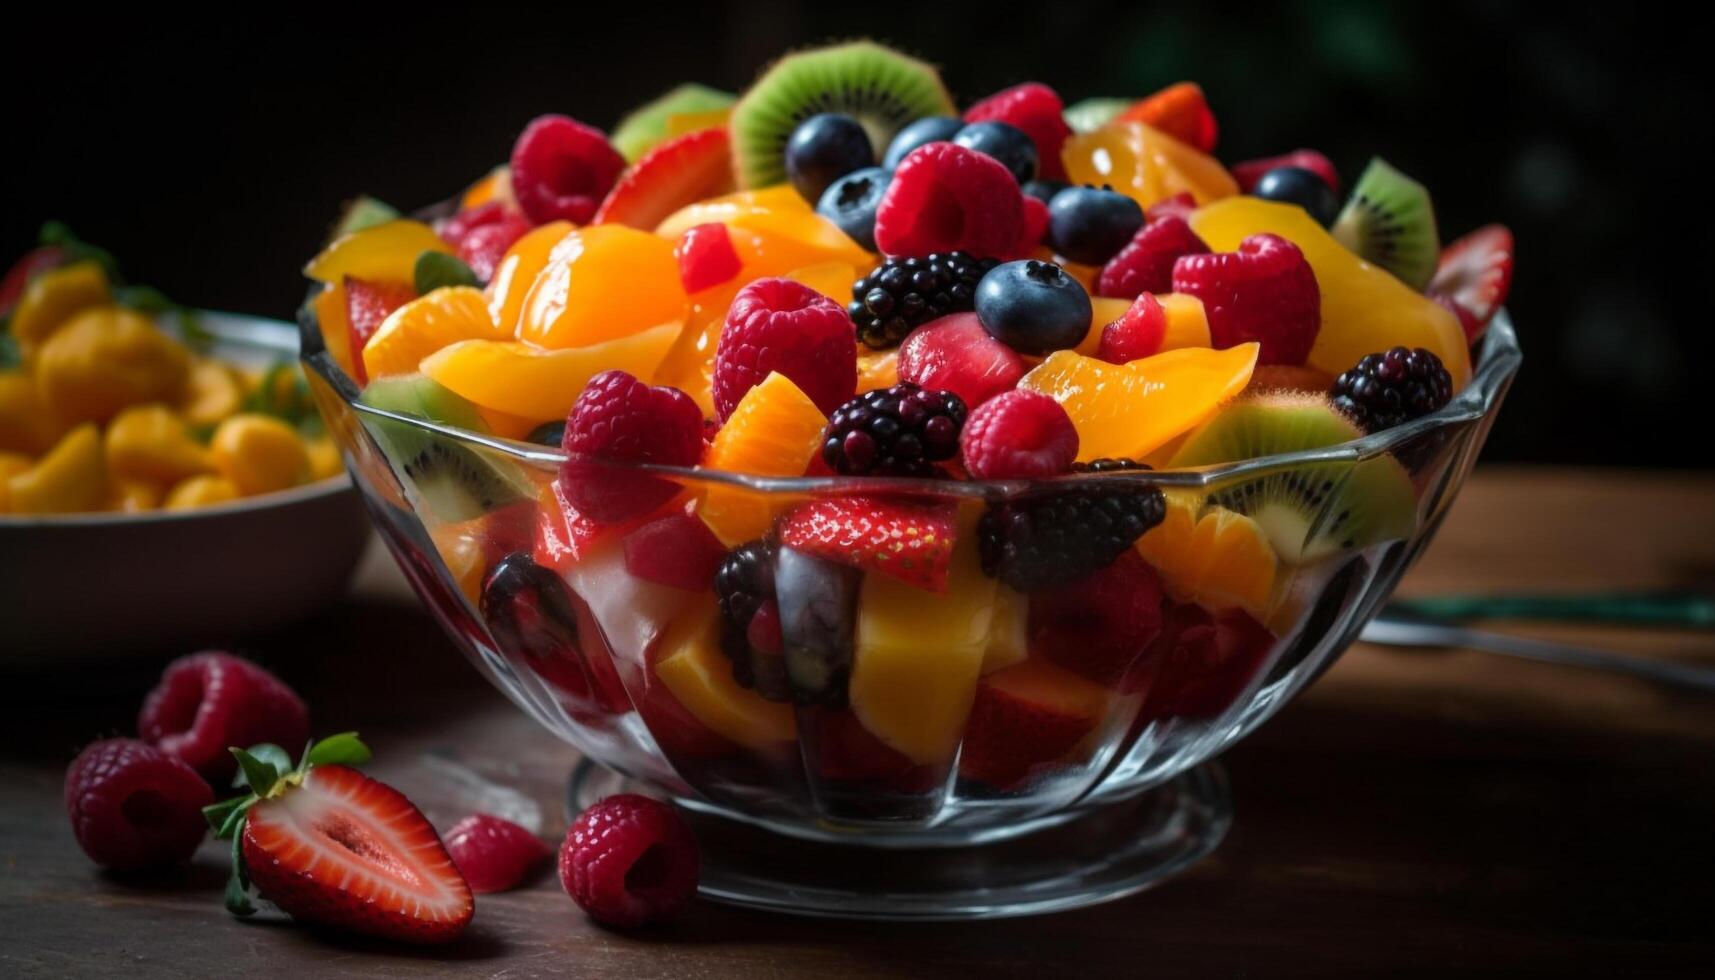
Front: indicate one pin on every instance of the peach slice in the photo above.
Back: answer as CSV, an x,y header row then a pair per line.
x,y
517,271
540,384
425,325
1145,164
693,669
601,283
729,206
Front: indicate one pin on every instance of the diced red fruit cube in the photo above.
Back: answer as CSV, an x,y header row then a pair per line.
x,y
1145,264
785,326
948,198
1476,273
1249,172
678,732
676,550
1265,291
493,854
1138,332
367,304
1018,435
629,861
956,354
207,702
563,533
912,542
483,247
1101,626
562,169
132,806
618,420
683,170
1037,110
706,257
1009,737
1203,662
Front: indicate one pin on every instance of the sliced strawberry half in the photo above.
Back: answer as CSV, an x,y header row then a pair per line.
x,y
681,171
910,541
1476,272
367,304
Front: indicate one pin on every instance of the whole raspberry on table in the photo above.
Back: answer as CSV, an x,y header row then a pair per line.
x,y
619,419
208,702
902,294
1265,291
630,861
1392,387
133,806
1043,541
899,431
785,326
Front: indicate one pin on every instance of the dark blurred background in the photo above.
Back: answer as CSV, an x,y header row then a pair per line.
x,y
211,153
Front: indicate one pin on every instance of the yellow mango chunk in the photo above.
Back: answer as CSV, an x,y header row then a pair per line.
x,y
27,425
151,443
602,283
72,478
133,496
107,358
53,297
387,252
538,383
517,272
325,460
720,210
200,491
213,390
259,454
693,669
1187,322
1145,164
1008,643
333,318
11,464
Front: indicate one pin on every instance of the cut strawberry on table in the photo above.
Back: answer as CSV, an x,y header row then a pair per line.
x,y
367,304
1476,272
681,171
912,542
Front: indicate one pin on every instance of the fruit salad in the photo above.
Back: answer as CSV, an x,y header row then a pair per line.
x,y
838,449
103,410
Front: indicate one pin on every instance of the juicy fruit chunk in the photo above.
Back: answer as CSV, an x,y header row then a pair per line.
x,y
27,425
1128,411
259,453
53,297
1213,556
911,542
1027,717
516,273
539,384
677,550
1145,164
775,431
424,326
1263,292
1364,307
695,671
1179,110
706,257
149,442
387,252
601,283
956,354
105,359
72,477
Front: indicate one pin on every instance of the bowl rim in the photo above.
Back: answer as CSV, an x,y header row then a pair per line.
x,y
1492,373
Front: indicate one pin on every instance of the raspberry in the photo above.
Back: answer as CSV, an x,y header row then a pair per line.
x,y
1137,333
1019,435
1264,292
956,354
948,198
782,325
493,854
899,431
1179,205
1100,625
1248,172
133,806
484,246
618,418
561,170
1040,542
1145,264
903,294
1036,109
1393,387
211,701
706,256
454,229
1036,220
629,861
744,588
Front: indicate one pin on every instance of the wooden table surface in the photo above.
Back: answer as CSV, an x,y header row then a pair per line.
x,y
1415,812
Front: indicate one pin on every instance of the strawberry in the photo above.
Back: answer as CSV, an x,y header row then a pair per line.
x,y
1100,626
332,847
681,171
912,542
1180,111
1476,272
367,304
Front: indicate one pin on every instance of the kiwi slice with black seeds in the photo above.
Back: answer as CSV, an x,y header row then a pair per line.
x,y
1313,511
456,481
646,125
1390,221
879,87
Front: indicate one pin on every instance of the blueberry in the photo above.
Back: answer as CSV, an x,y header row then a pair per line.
x,y
929,129
1005,143
548,434
1091,224
824,148
1044,190
1300,186
1034,307
850,202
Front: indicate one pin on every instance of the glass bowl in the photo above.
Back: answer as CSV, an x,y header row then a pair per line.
x,y
908,754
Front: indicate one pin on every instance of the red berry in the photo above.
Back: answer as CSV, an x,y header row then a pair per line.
x,y
561,170
209,702
1249,172
1036,109
367,304
706,256
785,326
133,806
1100,626
1137,333
956,354
947,198
1035,227
1018,435
629,861
1476,272
1264,292
618,419
1179,205
454,229
1145,264
1203,661
677,550
483,247
493,854
910,541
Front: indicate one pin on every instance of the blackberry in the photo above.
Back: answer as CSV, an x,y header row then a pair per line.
x,y
743,585
1109,465
905,293
1386,389
899,431
1042,542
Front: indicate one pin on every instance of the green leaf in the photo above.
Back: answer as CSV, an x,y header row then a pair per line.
x,y
238,882
219,814
437,269
344,749
259,775
364,212
269,753
234,821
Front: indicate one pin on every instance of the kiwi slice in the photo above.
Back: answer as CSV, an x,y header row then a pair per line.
x,y
646,125
879,87
1088,114
1313,511
1390,221
456,481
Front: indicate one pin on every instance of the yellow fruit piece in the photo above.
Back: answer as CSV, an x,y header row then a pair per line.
x,y
681,123
213,390
27,425
11,464
52,297
690,363
1129,410
877,368
325,460
1213,556
1103,311
496,185
1187,324
831,279
1364,307
259,454
200,491
917,656
387,251
721,210
693,669
602,283
536,383
1008,643
774,243
151,443
775,430
133,496
461,549
334,320
425,325
70,479
517,272
1145,164
107,358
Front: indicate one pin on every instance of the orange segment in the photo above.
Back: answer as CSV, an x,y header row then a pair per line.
x,y
774,431
535,383
1215,557
601,283
1145,164
693,669
517,271
387,251
425,325
877,368
1187,323
335,323
1129,410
